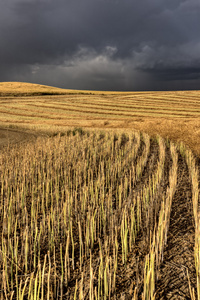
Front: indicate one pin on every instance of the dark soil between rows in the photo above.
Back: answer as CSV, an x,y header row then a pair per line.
x,y
132,274
179,252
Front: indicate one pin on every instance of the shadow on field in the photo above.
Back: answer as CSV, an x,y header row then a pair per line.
x,y
10,136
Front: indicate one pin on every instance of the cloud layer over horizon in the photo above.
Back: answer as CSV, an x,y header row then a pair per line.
x,y
101,44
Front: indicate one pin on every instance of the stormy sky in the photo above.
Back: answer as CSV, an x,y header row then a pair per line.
x,y
101,44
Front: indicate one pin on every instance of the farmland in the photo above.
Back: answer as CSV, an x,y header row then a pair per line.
x,y
99,216
110,212
173,115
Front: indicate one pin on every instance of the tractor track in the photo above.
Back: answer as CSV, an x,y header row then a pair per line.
x,y
178,260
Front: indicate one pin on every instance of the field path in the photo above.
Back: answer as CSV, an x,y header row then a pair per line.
x,y
179,252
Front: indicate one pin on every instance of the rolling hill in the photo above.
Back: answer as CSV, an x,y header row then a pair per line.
x,y
173,115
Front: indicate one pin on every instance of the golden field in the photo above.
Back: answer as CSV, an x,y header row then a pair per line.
x,y
99,194
175,115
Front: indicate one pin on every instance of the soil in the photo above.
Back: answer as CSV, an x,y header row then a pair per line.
x,y
179,252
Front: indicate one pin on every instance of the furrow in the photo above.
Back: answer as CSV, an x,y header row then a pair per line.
x,y
178,258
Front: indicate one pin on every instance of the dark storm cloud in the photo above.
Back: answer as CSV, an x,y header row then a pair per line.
x,y
101,44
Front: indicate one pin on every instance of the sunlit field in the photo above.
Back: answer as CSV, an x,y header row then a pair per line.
x,y
94,204
99,216
175,115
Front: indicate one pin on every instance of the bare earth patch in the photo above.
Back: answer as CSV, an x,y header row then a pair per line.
x,y
13,136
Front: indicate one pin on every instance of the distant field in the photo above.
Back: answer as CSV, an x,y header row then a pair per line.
x,y
175,115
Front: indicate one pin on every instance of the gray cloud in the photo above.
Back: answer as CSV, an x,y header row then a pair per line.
x,y
101,44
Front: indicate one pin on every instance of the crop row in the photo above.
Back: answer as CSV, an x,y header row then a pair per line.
x,y
72,210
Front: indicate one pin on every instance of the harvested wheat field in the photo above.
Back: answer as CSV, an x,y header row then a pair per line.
x,y
107,213
173,115
99,216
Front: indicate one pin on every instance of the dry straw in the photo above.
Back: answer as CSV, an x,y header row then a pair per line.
x,y
71,212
